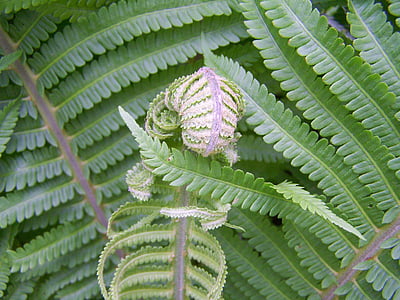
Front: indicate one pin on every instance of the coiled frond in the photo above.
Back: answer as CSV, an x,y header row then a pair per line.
x,y
149,271
204,106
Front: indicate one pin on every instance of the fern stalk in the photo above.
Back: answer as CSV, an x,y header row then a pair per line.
x,y
29,79
179,288
367,252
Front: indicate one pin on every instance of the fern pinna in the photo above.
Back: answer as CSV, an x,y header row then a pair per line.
x,y
319,80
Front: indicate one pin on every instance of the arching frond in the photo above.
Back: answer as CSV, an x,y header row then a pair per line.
x,y
289,135
74,10
327,113
65,278
309,34
53,244
253,268
16,5
265,238
115,25
87,252
42,197
129,64
240,188
376,42
34,167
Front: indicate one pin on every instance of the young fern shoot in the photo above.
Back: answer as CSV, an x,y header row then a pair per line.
x,y
169,252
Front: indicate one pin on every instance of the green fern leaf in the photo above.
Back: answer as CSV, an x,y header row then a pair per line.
x,y
376,41
42,198
8,120
86,253
382,276
20,291
253,269
65,278
29,29
53,244
115,25
394,244
74,10
309,34
313,255
265,238
35,167
237,287
369,160
313,204
132,63
87,288
224,184
278,126
9,6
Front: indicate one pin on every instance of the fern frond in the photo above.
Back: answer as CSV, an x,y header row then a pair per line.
x,y
376,41
64,213
20,291
29,29
360,90
237,287
8,120
135,208
383,278
253,268
73,10
271,244
313,204
358,290
82,290
9,6
42,197
33,167
313,255
134,236
131,63
53,244
64,278
30,134
115,25
114,149
6,239
297,143
369,160
227,185
4,274
81,256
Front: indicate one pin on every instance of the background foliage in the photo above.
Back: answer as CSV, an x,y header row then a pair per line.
x,y
323,101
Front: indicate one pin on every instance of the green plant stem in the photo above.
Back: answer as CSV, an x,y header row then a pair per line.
x,y
180,250
30,82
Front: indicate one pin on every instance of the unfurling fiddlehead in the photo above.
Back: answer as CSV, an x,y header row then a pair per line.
x,y
201,111
205,107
